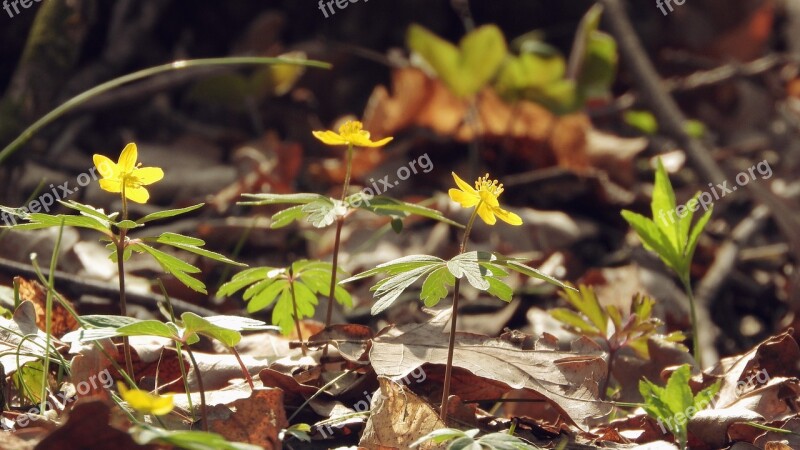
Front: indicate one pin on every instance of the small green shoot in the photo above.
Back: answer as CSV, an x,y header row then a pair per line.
x,y
593,319
670,234
674,404
465,440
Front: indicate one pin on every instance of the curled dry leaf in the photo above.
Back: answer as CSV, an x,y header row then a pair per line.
x,y
399,418
62,321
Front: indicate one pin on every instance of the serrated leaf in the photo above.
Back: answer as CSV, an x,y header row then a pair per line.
x,y
662,205
176,267
653,239
466,265
168,213
396,266
237,323
38,221
242,279
323,212
435,287
192,245
175,238
267,295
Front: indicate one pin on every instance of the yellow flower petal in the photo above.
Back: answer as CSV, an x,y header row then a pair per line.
x,y
146,402
464,186
329,137
369,143
148,175
507,216
489,199
462,198
485,213
137,194
109,185
106,167
127,160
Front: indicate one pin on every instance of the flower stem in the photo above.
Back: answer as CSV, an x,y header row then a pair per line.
x,y
123,306
48,319
296,315
338,239
203,410
448,371
698,356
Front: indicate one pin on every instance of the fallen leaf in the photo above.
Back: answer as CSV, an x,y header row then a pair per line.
x,y
88,428
62,321
257,419
398,418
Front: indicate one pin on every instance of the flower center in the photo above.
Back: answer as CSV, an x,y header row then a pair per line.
x,y
493,187
351,127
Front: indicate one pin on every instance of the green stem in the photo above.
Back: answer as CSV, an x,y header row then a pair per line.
x,y
687,285
448,371
296,315
320,391
203,410
178,349
141,74
338,240
48,318
123,306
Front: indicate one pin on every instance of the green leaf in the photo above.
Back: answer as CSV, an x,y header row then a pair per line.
x,y
504,441
652,238
324,211
574,320
398,209
90,211
174,266
388,290
662,205
188,440
38,221
467,69
466,265
500,289
266,296
278,199
237,323
396,266
175,238
677,393
127,225
108,321
195,324
593,59
191,245
435,287
444,435
287,216
242,279
643,121
168,213
28,380
147,328
533,273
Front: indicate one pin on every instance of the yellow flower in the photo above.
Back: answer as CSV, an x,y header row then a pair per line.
x,y
484,195
126,173
351,133
144,401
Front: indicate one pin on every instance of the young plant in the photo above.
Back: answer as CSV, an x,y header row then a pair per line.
x,y
481,269
463,440
321,211
128,179
296,287
593,319
673,239
183,333
674,404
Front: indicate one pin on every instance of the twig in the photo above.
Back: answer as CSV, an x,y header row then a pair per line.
x,y
74,286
